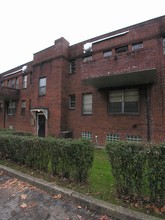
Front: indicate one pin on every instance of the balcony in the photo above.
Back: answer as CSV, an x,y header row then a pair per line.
x,y
116,80
7,93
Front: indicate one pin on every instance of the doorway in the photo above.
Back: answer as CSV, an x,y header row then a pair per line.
x,y
41,125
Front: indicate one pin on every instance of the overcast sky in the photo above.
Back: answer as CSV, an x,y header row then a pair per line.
x,y
28,26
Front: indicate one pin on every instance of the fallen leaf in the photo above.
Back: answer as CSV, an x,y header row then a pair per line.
x,y
23,205
57,196
79,207
104,217
23,196
162,209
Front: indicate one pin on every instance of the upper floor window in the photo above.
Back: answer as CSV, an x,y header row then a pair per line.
x,y
24,82
137,46
87,104
17,83
107,53
11,108
42,86
72,102
72,67
23,107
164,45
124,101
1,106
121,49
87,58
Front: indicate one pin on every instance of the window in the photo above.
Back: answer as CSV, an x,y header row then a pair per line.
x,y
73,67
72,102
1,106
24,82
137,46
17,83
23,107
164,45
121,49
42,86
87,59
112,137
87,104
107,53
87,135
124,101
11,108
133,138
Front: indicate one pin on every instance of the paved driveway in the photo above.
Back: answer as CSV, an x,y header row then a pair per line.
x,y
20,200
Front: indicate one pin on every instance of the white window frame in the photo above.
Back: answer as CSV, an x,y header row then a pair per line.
x,y
137,46
112,137
23,107
86,135
134,138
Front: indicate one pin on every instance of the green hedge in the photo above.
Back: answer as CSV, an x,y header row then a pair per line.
x,y
63,157
138,169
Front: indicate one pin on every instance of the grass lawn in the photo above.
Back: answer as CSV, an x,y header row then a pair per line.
x,y
100,183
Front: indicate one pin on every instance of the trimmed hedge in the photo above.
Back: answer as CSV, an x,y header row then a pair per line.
x,y
63,157
138,169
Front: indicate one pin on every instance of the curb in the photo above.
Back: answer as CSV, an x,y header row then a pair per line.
x,y
91,203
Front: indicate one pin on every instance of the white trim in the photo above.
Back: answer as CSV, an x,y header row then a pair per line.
x,y
39,110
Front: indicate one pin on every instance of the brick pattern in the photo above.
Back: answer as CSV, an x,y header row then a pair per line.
x,y
54,64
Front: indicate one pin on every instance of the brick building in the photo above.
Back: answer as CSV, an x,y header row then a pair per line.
x,y
106,88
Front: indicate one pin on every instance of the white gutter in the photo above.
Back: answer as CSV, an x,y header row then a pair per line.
x,y
23,69
88,46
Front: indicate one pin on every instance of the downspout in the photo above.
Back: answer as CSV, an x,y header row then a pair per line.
x,y
4,114
148,113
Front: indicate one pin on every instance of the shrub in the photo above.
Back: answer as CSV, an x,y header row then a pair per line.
x,y
138,169
68,158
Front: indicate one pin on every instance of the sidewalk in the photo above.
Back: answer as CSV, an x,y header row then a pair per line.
x,y
91,203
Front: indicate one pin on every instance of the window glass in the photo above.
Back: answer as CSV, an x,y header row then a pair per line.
x,y
137,46
72,102
42,86
125,101
23,107
87,104
164,45
24,82
107,53
11,108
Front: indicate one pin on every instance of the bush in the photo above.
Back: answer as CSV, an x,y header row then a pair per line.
x,y
138,169
68,158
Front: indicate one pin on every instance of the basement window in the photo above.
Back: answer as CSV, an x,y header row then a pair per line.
x,y
112,137
121,49
134,138
86,135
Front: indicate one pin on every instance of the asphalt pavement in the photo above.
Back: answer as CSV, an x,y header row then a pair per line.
x,y
23,197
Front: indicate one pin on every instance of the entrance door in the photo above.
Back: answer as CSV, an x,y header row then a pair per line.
x,y
41,125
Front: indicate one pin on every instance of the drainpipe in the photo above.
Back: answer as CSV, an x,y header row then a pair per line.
x,y
148,113
4,114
